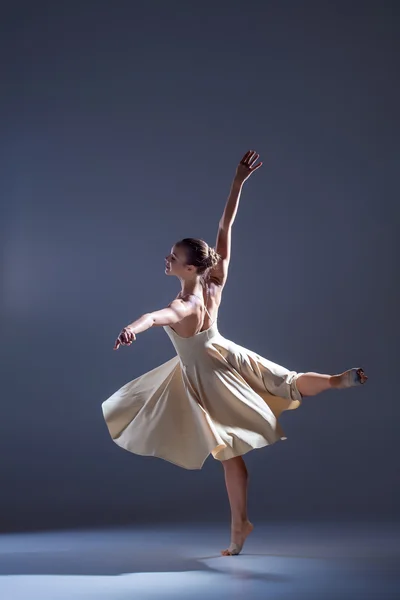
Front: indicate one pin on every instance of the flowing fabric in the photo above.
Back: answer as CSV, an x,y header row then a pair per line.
x,y
214,397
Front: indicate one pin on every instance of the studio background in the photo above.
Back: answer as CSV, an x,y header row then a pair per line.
x,y
122,125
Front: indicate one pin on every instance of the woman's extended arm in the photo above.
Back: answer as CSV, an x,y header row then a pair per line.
x,y
223,244
175,312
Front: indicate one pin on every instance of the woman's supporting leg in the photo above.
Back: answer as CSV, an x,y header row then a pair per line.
x,y
236,479
310,384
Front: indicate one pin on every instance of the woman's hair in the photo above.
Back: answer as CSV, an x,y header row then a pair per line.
x,y
199,254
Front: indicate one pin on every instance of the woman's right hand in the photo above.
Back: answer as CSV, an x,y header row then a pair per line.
x,y
125,338
247,166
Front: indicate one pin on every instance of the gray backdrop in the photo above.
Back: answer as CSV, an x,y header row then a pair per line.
x,y
122,124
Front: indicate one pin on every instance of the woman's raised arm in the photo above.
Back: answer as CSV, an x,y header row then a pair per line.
x,y
245,168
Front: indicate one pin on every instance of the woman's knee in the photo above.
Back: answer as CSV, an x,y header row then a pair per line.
x,y
234,463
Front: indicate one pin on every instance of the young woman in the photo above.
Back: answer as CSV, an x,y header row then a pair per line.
x,y
214,396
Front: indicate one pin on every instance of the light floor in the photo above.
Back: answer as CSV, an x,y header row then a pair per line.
x,y
322,561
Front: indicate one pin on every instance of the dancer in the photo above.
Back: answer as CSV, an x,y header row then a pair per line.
x,y
214,397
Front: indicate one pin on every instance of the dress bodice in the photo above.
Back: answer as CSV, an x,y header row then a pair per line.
x,y
188,345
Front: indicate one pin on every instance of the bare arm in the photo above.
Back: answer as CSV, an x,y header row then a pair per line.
x,y
175,312
223,244
232,204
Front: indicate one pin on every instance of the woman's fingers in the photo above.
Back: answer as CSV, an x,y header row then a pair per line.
x,y
125,338
256,167
131,335
128,334
249,159
245,157
253,156
254,159
119,342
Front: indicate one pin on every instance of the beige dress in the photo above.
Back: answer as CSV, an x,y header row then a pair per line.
x,y
214,397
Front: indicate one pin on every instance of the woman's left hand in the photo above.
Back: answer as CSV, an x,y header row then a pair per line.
x,y
125,338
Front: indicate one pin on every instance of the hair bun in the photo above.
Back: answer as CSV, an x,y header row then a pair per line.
x,y
199,254
213,258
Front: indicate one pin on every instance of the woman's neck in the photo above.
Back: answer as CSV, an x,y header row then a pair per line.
x,y
191,287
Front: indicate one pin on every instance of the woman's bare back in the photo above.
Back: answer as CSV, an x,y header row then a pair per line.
x,y
201,319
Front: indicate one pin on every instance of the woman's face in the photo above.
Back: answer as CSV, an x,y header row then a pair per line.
x,y
175,262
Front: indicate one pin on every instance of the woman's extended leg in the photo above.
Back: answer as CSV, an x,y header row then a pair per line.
x,y
236,479
310,384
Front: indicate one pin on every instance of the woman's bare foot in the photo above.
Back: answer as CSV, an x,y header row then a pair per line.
x,y
238,537
349,378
